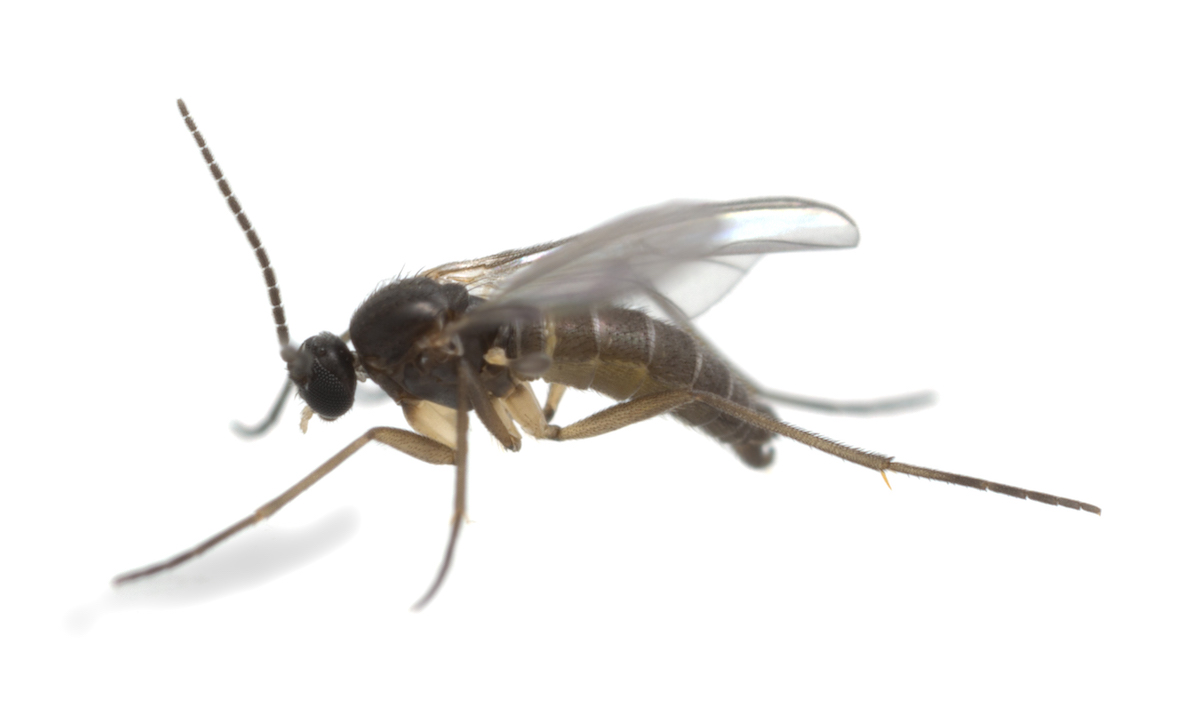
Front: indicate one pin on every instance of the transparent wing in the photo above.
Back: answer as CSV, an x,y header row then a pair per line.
x,y
676,259
482,275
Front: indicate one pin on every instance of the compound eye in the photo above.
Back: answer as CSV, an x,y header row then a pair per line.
x,y
323,371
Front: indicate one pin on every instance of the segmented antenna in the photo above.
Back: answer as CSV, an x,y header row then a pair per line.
x,y
260,253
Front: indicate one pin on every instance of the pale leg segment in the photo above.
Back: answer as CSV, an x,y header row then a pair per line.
x,y
553,398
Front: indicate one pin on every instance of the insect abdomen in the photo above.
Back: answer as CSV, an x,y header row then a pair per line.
x,y
625,354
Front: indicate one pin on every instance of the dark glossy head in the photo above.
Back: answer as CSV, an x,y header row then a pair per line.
x,y
323,371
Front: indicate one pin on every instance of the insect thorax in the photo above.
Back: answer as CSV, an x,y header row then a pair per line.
x,y
398,336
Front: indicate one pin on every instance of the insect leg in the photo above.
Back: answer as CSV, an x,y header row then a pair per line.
x,y
877,462
419,447
460,483
431,420
261,427
553,397
621,415
522,406
485,409
640,409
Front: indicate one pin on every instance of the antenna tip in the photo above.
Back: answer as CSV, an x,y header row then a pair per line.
x,y
182,106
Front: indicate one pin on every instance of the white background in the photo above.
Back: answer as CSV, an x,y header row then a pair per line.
x,y
1024,178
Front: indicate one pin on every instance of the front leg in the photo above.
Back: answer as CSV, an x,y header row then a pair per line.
x,y
415,445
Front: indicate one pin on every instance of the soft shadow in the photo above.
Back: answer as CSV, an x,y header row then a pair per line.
x,y
250,559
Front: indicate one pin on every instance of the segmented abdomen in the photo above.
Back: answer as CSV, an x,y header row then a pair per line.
x,y
626,354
